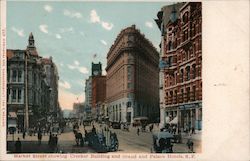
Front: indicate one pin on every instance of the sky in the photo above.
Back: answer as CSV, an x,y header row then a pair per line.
x,y
73,32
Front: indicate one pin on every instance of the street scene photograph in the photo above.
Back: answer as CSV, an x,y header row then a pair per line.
x,y
104,77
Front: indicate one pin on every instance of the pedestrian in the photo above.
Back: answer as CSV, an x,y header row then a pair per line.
x,y
18,146
193,130
50,139
151,127
190,145
24,134
94,129
44,131
138,131
39,136
56,140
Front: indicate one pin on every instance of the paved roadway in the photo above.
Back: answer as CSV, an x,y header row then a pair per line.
x,y
129,142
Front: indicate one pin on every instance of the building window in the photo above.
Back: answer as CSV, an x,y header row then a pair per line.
x,y
8,95
34,79
130,85
14,75
186,55
185,17
181,76
19,95
170,45
8,75
194,71
19,76
34,97
188,94
194,93
129,73
171,96
130,95
182,94
13,95
170,60
176,81
188,73
175,96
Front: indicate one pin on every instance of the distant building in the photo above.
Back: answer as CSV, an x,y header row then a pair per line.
x,y
88,98
98,94
132,77
181,64
78,109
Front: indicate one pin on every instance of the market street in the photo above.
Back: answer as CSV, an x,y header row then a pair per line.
x,y
129,142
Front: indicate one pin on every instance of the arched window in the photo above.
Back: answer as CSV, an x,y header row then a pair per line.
x,y
175,76
185,17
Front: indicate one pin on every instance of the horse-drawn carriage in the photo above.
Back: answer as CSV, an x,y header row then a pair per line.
x,y
162,142
101,143
98,141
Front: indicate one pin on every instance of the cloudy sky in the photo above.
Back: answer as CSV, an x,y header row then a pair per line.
x,y
72,32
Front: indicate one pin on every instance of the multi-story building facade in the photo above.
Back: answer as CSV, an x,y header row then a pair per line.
x,y
28,92
132,77
181,53
52,78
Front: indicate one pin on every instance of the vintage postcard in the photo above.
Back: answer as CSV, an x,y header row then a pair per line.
x,y
123,80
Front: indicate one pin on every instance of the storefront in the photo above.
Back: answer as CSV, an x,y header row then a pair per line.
x,y
191,116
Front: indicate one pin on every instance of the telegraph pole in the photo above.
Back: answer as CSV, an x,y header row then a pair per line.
x,y
26,117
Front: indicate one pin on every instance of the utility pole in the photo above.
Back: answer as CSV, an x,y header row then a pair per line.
x,y
26,118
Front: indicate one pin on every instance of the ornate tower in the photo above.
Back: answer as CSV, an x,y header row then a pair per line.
x,y
31,48
31,43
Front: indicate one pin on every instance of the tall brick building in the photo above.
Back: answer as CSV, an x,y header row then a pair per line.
x,y
98,93
132,77
52,77
181,64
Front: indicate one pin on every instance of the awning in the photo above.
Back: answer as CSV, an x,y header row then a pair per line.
x,y
141,118
12,123
174,121
12,115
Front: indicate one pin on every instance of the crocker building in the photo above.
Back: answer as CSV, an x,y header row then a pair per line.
x,y
181,65
132,78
